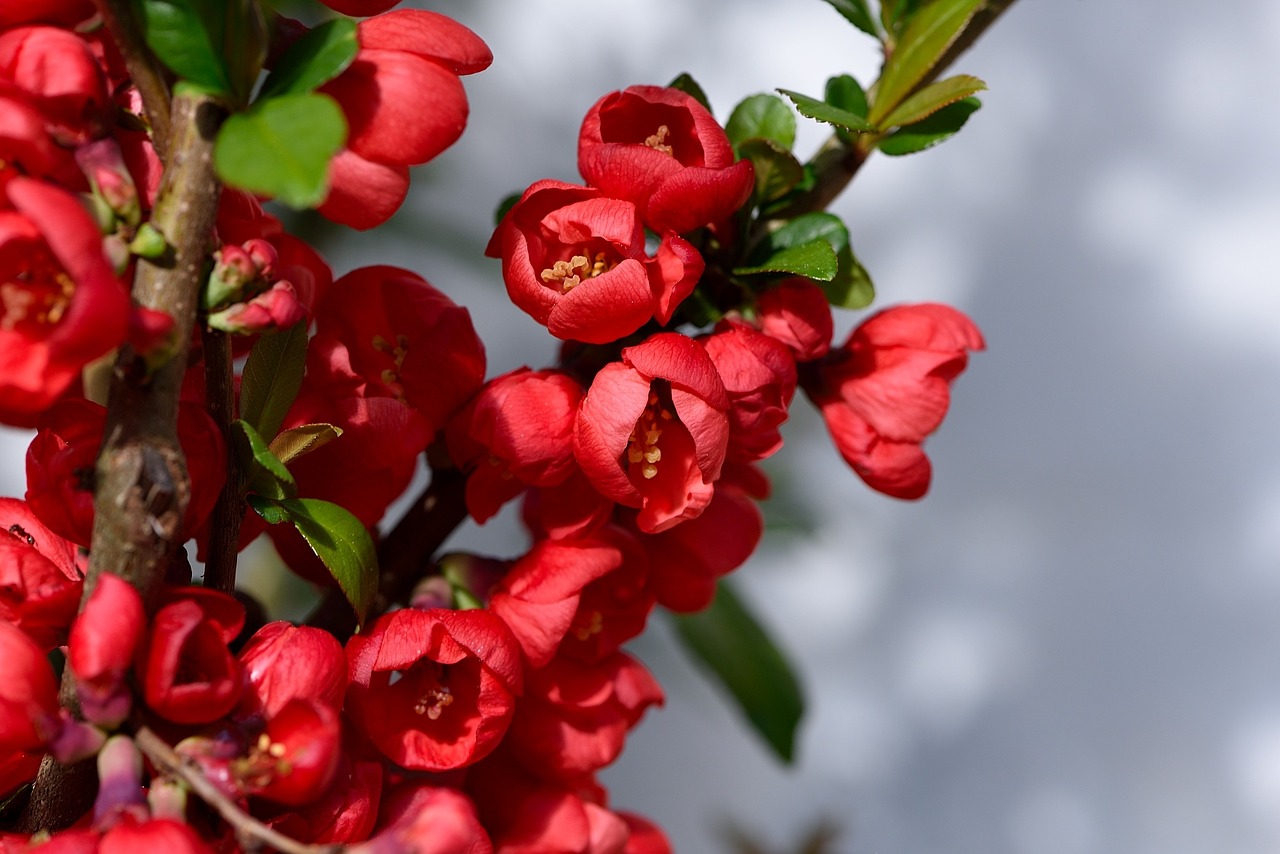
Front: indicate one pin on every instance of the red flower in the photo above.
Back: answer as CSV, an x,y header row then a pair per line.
x,y
574,717
517,432
645,837
345,812
661,150
189,676
28,694
62,306
294,759
653,430
403,101
458,674
58,70
422,819
101,648
386,332
40,582
61,459
888,388
158,834
576,263
283,662
614,608
796,312
539,596
759,374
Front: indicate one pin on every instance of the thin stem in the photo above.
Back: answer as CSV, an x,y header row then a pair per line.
x,y
228,513
251,833
146,73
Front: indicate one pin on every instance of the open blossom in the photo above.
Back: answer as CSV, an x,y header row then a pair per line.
x,y
423,819
653,430
888,388
576,262
40,580
404,103
517,432
457,676
759,373
58,70
661,150
60,303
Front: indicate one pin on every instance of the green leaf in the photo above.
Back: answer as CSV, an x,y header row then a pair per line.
x,y
894,14
777,170
271,512
271,378
932,98
728,641
282,148
923,42
844,92
816,260
297,441
264,473
762,117
313,60
850,287
939,127
857,13
824,112
686,84
343,544
187,36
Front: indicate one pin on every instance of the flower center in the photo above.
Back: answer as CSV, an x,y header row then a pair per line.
x,y
658,141
43,302
571,273
397,352
593,625
642,448
433,703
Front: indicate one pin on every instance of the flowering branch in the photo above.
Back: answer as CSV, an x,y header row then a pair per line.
x,y
251,833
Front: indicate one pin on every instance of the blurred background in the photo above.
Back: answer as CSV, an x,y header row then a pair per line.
x,y
1070,646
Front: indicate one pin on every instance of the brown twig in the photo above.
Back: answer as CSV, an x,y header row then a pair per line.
x,y
146,73
228,513
252,834
142,484
404,552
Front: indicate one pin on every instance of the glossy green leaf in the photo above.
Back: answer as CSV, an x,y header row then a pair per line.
x,y
685,83
850,287
894,14
824,112
816,260
313,60
282,148
925,39
244,44
270,511
264,473
844,92
186,35
939,127
859,14
297,441
762,117
728,641
343,544
777,170
271,378
932,98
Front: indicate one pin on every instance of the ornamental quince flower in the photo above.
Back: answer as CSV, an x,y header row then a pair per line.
x,y
29,718
61,304
796,312
101,649
653,430
759,373
458,673
424,819
404,104
517,432
188,675
888,387
40,580
284,662
575,261
57,68
660,149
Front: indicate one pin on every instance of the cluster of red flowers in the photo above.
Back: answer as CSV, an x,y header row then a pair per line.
x,y
476,717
